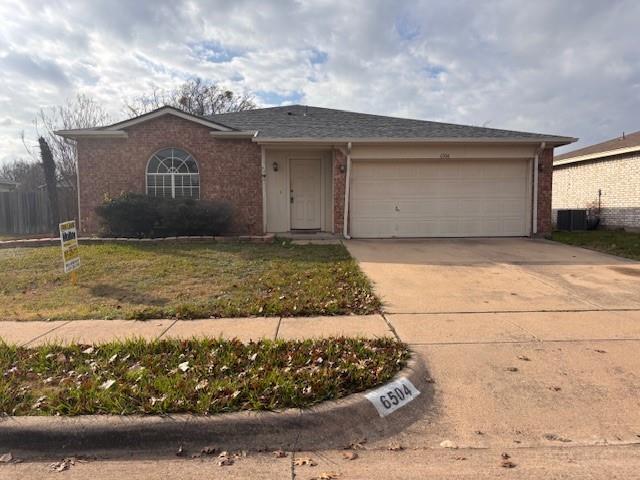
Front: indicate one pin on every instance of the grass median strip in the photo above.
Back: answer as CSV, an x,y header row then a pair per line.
x,y
200,376
614,242
177,280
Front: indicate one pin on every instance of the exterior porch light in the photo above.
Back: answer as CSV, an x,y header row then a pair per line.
x,y
275,166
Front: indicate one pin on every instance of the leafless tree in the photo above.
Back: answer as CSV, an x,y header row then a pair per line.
x,y
196,96
28,174
79,112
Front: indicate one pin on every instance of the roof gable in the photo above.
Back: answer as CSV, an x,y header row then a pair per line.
x,y
118,130
167,110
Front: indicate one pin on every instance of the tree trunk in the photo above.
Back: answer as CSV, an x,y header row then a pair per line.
x,y
49,167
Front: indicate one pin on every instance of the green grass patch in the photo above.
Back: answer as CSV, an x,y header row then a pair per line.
x,y
614,242
203,376
177,280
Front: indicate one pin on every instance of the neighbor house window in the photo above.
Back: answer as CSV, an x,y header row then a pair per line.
x,y
173,173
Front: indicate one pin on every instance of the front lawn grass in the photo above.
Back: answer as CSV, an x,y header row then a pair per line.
x,y
203,376
178,280
614,242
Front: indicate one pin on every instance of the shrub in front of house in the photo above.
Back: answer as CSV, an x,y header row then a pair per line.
x,y
141,216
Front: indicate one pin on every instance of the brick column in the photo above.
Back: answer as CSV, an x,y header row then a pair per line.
x,y
545,182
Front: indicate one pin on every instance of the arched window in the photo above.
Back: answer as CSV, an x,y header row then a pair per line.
x,y
172,172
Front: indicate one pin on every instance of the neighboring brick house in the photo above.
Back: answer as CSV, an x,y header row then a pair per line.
x,y
309,169
605,175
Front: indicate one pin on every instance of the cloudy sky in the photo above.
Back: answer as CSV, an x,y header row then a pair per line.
x,y
568,67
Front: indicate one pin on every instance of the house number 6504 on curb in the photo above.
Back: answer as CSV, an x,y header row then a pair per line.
x,y
392,396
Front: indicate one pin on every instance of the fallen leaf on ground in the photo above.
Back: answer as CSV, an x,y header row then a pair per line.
x,y
184,366
89,351
107,385
349,455
395,446
358,445
39,402
6,457
225,462
64,464
326,476
448,444
555,438
280,454
113,358
208,450
507,464
298,462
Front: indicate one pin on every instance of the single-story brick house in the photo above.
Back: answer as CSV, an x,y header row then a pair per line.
x,y
302,168
607,175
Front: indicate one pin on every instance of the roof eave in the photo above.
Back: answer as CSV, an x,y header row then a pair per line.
x,y
89,133
235,135
549,141
597,155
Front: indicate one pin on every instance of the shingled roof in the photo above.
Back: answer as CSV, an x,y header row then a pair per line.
x,y
305,122
314,124
629,141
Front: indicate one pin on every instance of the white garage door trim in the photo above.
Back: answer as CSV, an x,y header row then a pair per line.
x,y
440,198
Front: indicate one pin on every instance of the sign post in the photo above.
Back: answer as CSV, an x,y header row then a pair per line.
x,y
70,253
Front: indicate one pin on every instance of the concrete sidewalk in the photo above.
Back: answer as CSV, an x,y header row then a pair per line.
x,y
414,329
246,329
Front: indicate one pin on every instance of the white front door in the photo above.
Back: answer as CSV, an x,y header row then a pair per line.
x,y
306,197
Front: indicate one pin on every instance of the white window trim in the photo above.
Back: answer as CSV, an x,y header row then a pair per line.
x,y
171,175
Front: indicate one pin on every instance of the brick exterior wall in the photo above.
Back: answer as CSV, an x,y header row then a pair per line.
x,y
545,186
576,185
339,185
230,170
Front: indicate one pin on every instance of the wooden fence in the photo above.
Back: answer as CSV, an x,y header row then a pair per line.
x,y
28,212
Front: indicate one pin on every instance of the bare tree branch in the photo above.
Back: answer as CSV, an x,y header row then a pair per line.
x,y
196,96
79,112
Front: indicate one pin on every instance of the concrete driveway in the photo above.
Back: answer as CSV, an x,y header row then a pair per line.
x,y
495,275
532,345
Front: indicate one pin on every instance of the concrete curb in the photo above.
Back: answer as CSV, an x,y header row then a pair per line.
x,y
334,424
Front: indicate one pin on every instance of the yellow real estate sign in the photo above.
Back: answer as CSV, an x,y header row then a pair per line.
x,y
69,241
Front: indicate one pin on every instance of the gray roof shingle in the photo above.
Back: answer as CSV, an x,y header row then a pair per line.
x,y
300,121
626,141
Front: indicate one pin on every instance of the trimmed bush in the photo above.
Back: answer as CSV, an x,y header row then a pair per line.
x,y
136,215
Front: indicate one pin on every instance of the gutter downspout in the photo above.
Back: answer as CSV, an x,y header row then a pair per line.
x,y
345,223
263,155
78,225
534,219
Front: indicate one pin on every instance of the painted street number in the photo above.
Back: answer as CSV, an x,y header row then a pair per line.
x,y
69,241
392,396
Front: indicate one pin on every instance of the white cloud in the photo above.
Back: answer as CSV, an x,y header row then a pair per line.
x,y
558,67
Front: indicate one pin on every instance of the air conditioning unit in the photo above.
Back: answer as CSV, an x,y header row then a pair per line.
x,y
575,219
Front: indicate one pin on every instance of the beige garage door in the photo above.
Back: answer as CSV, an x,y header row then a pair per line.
x,y
439,198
